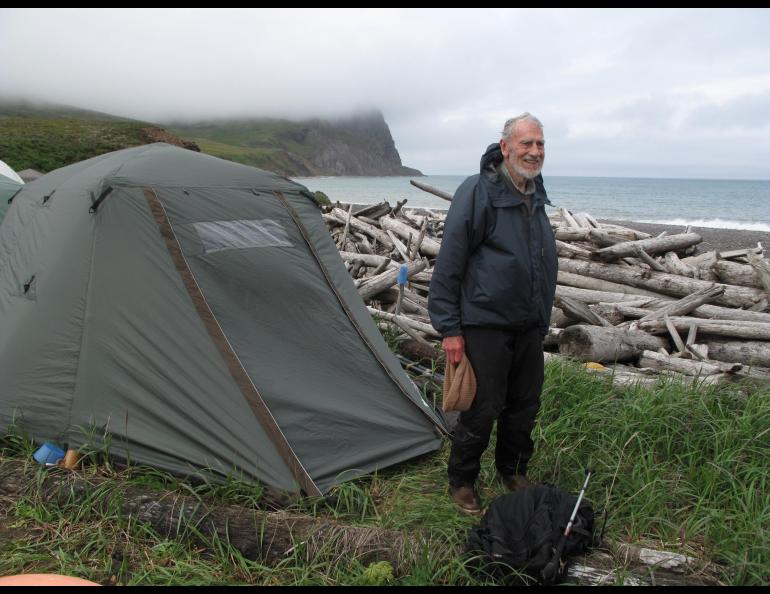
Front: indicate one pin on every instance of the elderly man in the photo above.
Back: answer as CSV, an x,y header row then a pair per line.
x,y
490,298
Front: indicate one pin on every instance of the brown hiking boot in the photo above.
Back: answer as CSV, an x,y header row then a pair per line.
x,y
515,482
464,497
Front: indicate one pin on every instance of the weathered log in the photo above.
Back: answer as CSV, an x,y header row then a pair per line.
x,y
701,261
707,312
595,343
387,279
676,266
577,310
572,234
429,246
609,312
347,226
410,303
714,371
686,366
734,329
260,535
623,232
735,273
654,245
431,190
662,282
686,304
419,241
586,282
581,218
374,211
604,239
559,319
568,218
594,296
649,260
370,230
401,249
762,270
738,253
568,250
749,352
368,259
424,276
419,326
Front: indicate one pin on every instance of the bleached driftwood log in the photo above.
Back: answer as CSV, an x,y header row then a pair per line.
x,y
749,352
586,282
654,245
668,284
387,279
735,273
685,366
431,190
577,310
421,327
595,343
734,329
340,216
429,246
686,304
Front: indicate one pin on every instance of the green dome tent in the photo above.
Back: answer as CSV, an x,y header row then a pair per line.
x,y
197,311
10,184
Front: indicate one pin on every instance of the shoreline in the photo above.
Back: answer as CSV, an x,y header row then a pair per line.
x,y
714,238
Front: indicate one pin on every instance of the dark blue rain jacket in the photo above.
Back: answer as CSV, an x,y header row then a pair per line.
x,y
497,264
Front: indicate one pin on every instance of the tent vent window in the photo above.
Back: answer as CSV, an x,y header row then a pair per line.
x,y
234,235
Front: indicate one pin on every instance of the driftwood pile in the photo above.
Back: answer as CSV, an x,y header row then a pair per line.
x,y
644,305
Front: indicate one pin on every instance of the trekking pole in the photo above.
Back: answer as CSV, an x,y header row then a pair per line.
x,y
550,570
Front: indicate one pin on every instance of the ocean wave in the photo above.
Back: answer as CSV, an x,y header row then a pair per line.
x,y
712,223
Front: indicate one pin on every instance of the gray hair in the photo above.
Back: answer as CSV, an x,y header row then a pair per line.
x,y
511,124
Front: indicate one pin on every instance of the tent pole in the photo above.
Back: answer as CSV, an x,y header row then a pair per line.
x,y
241,377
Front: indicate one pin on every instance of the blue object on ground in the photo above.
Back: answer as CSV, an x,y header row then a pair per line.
x,y
48,454
403,274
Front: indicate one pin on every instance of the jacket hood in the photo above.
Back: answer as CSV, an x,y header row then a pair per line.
x,y
491,158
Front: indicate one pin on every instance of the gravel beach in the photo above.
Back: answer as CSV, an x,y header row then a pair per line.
x,y
713,238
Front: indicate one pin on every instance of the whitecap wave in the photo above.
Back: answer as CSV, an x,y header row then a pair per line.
x,y
712,223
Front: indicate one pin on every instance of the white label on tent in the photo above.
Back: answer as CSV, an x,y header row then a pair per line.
x,y
237,235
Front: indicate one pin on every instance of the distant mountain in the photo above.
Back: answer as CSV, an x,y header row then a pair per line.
x,y
45,137
359,145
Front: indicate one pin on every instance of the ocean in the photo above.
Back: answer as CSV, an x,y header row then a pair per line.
x,y
727,204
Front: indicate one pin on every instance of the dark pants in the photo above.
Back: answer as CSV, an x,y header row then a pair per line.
x,y
509,375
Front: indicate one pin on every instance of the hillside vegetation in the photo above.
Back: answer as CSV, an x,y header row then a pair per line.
x,y
48,137
45,137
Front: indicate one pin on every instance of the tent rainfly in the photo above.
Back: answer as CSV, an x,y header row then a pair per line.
x,y
197,312
10,184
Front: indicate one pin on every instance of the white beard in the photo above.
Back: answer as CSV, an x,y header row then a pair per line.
x,y
525,173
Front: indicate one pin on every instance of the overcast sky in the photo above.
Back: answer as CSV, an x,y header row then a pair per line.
x,y
623,92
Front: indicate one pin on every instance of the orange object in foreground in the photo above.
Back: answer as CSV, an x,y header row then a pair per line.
x,y
43,579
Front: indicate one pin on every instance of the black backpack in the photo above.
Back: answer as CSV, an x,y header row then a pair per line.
x,y
521,531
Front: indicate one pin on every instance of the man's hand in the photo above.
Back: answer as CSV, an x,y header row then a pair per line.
x,y
454,347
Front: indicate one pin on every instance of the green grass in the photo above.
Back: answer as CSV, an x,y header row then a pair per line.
x,y
46,144
678,468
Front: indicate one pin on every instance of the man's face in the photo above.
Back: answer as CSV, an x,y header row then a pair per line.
x,y
524,151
